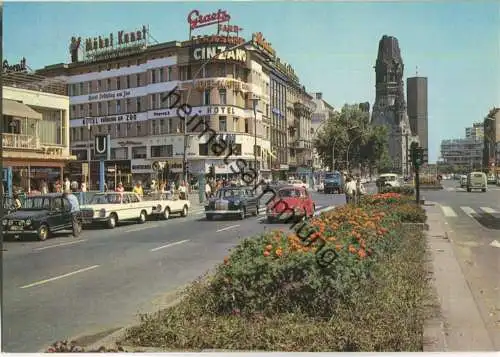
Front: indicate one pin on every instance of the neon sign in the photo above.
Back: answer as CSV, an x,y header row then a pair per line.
x,y
259,40
195,20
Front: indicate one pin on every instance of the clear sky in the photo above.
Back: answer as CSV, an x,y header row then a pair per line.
x,y
332,46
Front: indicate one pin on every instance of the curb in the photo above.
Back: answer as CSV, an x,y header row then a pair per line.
x,y
458,326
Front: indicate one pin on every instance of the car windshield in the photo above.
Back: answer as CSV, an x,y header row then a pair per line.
x,y
331,176
289,193
478,175
36,203
228,193
106,199
388,178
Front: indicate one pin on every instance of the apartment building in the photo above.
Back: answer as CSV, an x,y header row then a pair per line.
x,y
476,131
463,152
35,130
491,139
323,110
127,96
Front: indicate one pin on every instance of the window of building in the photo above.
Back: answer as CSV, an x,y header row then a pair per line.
x,y
153,76
162,151
99,85
138,79
236,150
153,101
128,81
89,87
119,153
246,125
222,70
153,127
162,126
170,72
235,124
90,109
206,97
108,84
118,83
81,88
162,75
138,103
203,149
99,108
222,97
222,123
139,152
127,105
118,107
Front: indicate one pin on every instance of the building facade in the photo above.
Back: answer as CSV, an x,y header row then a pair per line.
x,y
491,140
463,152
323,110
416,98
390,108
36,131
476,131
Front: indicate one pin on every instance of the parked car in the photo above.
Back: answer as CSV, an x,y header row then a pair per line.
x,y
40,216
492,180
165,205
233,201
388,180
290,204
110,208
333,182
477,181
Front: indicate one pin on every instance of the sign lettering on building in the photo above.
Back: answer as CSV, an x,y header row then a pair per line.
x,y
212,39
208,52
195,20
110,119
287,69
107,96
259,40
220,110
229,28
229,83
122,39
18,67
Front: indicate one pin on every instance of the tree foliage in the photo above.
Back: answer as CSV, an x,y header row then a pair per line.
x,y
349,135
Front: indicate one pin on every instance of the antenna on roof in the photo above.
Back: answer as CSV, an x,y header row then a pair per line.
x,y
416,71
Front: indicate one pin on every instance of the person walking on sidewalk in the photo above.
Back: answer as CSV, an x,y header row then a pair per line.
x,y
350,190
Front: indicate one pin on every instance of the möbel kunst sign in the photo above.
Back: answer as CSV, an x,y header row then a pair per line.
x,y
195,20
122,38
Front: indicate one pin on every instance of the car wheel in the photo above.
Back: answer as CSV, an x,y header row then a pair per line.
x,y
484,190
243,213
142,217
469,190
113,219
166,213
43,232
184,211
210,217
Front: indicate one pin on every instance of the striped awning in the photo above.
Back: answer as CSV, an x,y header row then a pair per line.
x,y
19,110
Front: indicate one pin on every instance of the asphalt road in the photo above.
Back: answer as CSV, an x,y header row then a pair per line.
x,y
473,221
66,287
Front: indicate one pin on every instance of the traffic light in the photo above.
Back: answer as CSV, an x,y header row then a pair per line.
x,y
425,156
416,155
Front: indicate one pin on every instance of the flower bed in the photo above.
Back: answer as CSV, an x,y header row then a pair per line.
x,y
349,280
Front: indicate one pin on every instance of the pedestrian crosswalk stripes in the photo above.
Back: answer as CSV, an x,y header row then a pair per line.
x,y
469,211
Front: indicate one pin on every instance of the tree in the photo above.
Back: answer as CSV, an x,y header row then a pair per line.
x,y
350,129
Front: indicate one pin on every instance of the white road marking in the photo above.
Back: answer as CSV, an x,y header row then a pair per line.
x,y
488,210
448,211
60,244
170,245
141,228
495,244
468,211
227,228
41,282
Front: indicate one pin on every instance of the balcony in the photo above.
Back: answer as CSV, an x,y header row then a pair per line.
x,y
21,142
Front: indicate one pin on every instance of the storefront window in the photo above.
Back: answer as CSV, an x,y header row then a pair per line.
x,y
139,152
161,151
119,153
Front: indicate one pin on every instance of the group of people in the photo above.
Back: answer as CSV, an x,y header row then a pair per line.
x,y
353,189
213,185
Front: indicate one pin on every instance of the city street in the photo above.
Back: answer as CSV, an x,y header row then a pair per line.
x,y
473,221
67,286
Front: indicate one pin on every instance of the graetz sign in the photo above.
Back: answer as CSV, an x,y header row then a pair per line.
x,y
122,38
18,67
208,52
196,20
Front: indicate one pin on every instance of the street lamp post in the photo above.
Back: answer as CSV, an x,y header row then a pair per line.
x,y
255,102
188,96
335,141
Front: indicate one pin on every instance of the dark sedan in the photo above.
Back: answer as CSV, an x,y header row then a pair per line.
x,y
233,201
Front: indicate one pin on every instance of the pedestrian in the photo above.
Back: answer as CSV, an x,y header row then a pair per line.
x,y
44,189
67,184
208,191
120,187
83,187
350,190
76,223
58,186
16,202
360,190
183,191
74,186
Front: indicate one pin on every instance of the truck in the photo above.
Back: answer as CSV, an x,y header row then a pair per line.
x,y
333,182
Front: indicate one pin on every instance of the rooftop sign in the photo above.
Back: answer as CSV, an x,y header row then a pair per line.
x,y
259,41
18,67
195,20
122,39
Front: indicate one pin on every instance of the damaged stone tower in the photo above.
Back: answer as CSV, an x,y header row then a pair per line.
x,y
390,104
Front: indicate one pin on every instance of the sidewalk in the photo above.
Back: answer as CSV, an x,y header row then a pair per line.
x,y
459,327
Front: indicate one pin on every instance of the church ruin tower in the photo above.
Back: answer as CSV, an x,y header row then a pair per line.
x,y
390,104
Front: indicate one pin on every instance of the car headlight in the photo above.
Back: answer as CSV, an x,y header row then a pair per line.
x,y
102,213
28,222
4,222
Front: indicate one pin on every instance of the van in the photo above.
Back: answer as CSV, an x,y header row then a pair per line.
x,y
477,181
388,180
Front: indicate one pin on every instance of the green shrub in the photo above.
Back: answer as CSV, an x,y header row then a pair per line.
x,y
403,190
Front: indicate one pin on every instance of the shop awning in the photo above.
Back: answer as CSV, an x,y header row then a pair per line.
x,y
19,110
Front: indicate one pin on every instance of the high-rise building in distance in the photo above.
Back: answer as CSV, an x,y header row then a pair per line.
x,y
416,98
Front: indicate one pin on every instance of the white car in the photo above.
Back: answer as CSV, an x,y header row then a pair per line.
x,y
165,204
389,180
113,207
297,183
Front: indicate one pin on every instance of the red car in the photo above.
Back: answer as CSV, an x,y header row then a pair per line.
x,y
290,203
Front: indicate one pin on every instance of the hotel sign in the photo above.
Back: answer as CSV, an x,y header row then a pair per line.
x,y
110,119
259,41
122,39
195,20
211,39
217,52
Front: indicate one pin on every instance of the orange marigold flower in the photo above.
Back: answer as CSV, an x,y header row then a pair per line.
x,y
279,252
266,253
338,247
362,253
269,247
352,249
226,260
